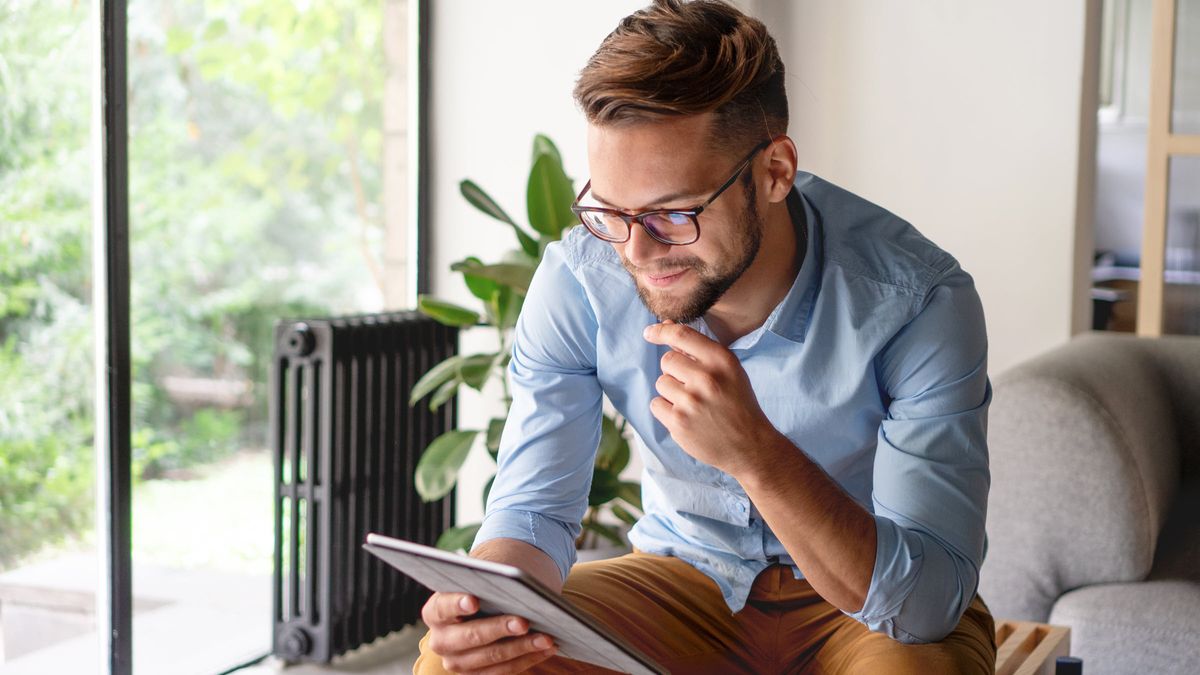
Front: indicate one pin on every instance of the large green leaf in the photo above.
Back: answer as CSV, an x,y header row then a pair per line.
x,y
605,487
447,312
494,431
528,244
548,197
508,307
459,538
435,378
445,392
514,275
437,471
613,453
631,493
482,201
542,145
474,370
625,516
480,287
487,490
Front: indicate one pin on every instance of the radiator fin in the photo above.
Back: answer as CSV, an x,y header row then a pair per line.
x,y
346,445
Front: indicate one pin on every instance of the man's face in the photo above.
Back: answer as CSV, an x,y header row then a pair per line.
x,y
672,164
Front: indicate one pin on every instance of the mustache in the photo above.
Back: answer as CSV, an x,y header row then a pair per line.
x,y
660,269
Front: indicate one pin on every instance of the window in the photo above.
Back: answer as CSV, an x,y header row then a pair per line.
x,y
267,150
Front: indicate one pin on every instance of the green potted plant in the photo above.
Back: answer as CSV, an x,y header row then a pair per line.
x,y
501,287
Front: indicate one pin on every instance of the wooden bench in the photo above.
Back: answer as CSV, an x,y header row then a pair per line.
x,y
1028,648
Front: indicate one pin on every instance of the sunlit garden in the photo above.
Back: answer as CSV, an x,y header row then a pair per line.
x,y
255,144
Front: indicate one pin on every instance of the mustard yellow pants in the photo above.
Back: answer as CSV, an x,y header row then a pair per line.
x,y
676,615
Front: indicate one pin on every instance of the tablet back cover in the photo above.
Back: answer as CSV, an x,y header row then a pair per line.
x,y
502,589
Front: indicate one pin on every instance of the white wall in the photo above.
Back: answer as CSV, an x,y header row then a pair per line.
x,y
501,72
964,117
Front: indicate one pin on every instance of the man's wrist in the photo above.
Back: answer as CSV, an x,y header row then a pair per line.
x,y
529,558
767,453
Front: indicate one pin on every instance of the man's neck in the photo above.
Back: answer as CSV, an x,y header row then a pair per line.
x,y
748,303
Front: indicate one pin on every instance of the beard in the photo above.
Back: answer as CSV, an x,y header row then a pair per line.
x,y
714,278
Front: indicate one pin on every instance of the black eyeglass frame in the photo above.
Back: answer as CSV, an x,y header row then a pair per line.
x,y
631,218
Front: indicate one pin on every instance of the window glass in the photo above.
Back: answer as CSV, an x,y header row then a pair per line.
x,y
256,155
48,562
1185,116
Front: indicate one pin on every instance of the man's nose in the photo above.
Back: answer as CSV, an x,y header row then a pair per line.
x,y
642,248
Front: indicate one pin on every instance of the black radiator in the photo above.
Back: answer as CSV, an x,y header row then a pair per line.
x,y
346,445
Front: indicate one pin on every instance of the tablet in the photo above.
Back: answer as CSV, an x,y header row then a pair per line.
x,y
504,589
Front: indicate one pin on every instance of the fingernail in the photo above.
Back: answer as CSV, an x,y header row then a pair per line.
x,y
465,604
514,626
541,642
646,332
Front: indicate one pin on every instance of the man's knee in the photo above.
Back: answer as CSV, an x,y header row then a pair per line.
x,y
970,649
428,663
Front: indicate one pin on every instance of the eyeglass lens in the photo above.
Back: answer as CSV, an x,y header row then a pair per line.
x,y
666,226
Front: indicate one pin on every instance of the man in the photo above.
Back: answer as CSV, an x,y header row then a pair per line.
x,y
806,371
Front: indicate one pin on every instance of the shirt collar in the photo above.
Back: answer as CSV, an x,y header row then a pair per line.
x,y
789,319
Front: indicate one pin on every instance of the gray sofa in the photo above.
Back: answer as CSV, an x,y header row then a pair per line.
x,y
1094,512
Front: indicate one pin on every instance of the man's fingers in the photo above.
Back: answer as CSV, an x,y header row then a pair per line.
x,y
671,389
662,410
470,635
444,608
685,339
497,655
520,664
684,368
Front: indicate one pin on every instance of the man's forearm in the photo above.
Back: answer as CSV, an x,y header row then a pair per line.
x,y
524,556
830,537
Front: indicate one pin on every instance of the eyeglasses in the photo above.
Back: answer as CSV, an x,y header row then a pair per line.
x,y
674,227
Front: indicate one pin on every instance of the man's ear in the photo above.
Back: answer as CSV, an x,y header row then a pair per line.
x,y
782,159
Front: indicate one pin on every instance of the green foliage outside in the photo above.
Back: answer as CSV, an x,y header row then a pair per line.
x,y
254,181
501,287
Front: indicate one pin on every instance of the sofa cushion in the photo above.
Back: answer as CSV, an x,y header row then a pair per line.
x,y
1085,468
1147,627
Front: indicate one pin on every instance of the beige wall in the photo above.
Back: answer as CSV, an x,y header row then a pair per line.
x,y
964,117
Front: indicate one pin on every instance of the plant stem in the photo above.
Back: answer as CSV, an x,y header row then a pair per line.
x,y
504,349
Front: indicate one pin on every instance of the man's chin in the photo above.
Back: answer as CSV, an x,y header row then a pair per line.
x,y
667,305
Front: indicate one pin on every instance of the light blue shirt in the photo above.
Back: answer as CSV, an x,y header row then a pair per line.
x,y
874,365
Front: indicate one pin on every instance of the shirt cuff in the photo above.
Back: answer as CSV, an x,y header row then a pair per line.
x,y
550,536
918,589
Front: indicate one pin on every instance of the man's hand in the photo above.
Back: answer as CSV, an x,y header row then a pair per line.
x,y
491,645
706,401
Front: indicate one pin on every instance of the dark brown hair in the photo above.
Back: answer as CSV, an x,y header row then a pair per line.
x,y
687,58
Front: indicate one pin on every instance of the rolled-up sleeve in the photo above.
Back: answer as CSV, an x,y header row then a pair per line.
x,y
931,474
549,443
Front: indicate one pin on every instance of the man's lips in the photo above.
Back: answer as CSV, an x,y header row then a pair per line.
x,y
665,279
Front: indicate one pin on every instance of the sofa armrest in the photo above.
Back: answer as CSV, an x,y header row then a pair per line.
x,y
1085,464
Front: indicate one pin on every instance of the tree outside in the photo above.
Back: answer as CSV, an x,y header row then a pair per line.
x,y
256,136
